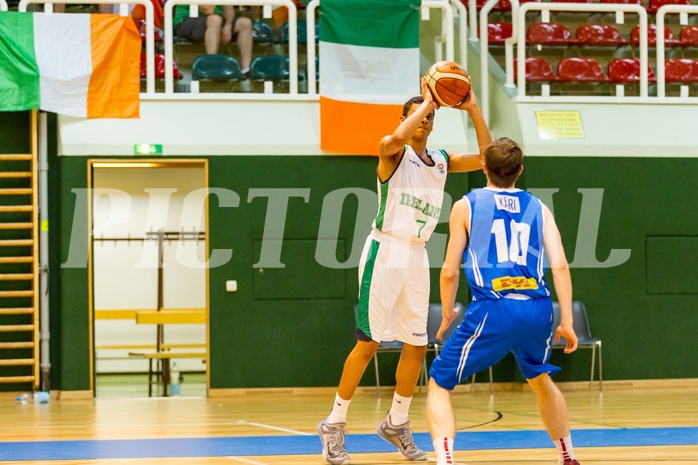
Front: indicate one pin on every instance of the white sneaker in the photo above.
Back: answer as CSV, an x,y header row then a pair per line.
x,y
333,448
401,437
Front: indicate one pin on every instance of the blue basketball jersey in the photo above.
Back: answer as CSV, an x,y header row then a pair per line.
x,y
505,253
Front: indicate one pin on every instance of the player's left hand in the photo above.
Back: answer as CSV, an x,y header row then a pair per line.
x,y
469,102
570,337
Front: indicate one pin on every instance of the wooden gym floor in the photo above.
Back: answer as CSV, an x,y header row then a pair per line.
x,y
631,423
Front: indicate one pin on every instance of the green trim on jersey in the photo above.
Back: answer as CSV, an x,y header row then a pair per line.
x,y
443,152
383,202
362,321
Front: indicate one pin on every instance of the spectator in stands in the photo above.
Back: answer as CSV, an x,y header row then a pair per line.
x,y
216,26
103,8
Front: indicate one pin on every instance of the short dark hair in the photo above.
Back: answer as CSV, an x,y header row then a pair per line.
x,y
503,158
413,101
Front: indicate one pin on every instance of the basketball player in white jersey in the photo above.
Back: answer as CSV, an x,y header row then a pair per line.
x,y
394,268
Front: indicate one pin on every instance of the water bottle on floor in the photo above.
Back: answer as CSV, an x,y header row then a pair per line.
x,y
174,379
39,397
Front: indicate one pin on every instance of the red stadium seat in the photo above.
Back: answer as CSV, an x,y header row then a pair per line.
x,y
497,33
159,67
623,70
689,36
656,4
549,34
652,36
681,70
537,69
580,69
503,5
599,34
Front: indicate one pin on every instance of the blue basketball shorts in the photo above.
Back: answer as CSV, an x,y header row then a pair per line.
x,y
490,330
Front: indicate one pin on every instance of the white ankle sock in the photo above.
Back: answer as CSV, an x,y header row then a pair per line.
x,y
444,451
565,452
400,409
339,410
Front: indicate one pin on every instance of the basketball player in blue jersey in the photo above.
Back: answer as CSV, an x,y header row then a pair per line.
x,y
504,235
394,267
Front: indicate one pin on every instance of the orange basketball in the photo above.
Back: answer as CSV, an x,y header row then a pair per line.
x,y
449,83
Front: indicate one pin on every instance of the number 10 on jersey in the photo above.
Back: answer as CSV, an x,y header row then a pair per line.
x,y
517,248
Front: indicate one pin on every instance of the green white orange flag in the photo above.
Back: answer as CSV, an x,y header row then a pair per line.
x,y
73,64
369,67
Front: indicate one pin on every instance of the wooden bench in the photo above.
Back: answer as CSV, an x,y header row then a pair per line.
x,y
166,315
163,358
160,351
141,350
170,317
165,352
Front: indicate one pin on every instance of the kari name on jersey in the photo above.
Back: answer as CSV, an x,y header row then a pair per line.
x,y
508,203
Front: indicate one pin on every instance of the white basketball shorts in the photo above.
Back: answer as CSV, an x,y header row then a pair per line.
x,y
393,291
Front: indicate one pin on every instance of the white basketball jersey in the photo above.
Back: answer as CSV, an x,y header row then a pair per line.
x,y
409,203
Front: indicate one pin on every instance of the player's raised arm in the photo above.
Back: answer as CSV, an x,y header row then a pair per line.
x,y
463,162
393,144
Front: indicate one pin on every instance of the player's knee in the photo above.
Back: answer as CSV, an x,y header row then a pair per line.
x,y
540,382
416,352
365,350
434,386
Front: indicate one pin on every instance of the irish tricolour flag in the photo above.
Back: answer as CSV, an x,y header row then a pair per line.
x,y
73,64
369,67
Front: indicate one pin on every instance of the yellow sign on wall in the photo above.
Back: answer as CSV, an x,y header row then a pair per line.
x,y
554,124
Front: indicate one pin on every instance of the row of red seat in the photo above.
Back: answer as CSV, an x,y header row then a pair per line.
x,y
652,6
571,69
589,34
620,70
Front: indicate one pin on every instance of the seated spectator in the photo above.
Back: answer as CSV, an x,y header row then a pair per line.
x,y
216,26
102,8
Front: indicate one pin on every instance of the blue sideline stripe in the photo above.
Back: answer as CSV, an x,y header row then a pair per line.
x,y
356,443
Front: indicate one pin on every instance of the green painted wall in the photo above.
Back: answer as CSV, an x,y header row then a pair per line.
x,y
294,326
647,331
262,342
71,347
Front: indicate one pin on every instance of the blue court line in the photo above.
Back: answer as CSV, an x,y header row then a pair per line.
x,y
356,443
